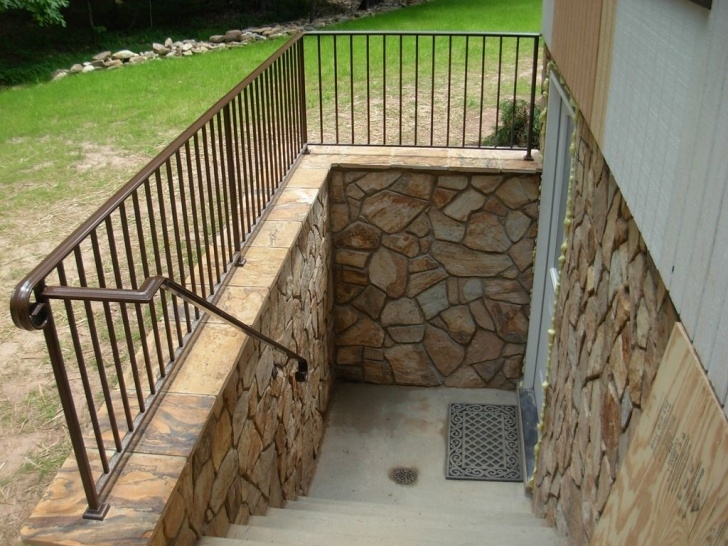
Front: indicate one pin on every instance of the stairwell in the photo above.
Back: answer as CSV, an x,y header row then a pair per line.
x,y
353,499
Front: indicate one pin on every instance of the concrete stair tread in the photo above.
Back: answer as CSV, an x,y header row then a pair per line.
x,y
314,504
349,522
225,541
324,536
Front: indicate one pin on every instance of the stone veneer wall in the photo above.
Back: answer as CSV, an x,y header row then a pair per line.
x,y
432,274
259,446
612,324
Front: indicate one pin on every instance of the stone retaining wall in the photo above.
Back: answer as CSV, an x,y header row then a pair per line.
x,y
613,320
261,444
433,274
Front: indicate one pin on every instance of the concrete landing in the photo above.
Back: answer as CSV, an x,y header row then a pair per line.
x,y
372,429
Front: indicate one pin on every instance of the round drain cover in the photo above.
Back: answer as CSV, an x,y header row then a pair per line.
x,y
404,476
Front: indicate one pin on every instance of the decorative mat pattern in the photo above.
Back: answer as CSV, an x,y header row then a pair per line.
x,y
483,443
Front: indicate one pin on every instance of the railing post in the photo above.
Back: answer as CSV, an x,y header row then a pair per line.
x,y
96,510
302,93
532,107
230,159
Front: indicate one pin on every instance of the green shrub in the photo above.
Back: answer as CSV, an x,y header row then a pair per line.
x,y
513,126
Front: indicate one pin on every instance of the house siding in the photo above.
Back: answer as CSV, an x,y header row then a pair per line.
x,y
612,324
664,138
579,37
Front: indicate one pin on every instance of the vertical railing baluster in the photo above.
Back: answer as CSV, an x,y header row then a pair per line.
x,y
515,87
246,213
369,99
449,89
96,509
301,79
351,81
138,309
112,333
532,106
384,89
465,88
183,239
145,272
124,312
498,90
432,95
157,256
219,150
165,232
231,183
482,94
401,89
97,353
320,91
70,314
203,216
336,89
254,182
417,82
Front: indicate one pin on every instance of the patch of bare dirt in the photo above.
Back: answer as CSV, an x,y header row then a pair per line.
x,y
101,157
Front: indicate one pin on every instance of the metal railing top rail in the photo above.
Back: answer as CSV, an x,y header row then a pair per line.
x,y
23,312
421,33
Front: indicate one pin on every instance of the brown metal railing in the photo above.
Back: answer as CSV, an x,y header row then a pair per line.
x,y
185,216
118,327
425,89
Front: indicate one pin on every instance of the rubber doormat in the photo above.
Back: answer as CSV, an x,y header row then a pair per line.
x,y
483,443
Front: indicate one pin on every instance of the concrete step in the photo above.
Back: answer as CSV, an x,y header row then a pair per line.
x,y
326,522
348,523
315,504
387,537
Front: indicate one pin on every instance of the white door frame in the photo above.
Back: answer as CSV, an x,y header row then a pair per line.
x,y
554,190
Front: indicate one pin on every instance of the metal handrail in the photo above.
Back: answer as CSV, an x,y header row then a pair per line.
x,y
149,289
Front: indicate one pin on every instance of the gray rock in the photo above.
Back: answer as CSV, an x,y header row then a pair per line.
x,y
102,56
160,49
59,74
88,68
217,39
76,68
124,55
234,36
168,42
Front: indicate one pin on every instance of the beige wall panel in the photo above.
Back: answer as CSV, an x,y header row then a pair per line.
x,y
576,46
603,68
672,488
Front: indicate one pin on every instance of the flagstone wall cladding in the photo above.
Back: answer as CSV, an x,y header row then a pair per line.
x,y
432,275
260,445
613,320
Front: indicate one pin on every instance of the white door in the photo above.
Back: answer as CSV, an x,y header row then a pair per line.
x,y
554,190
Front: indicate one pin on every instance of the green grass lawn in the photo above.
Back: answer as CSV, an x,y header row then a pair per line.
x,y
463,15
86,134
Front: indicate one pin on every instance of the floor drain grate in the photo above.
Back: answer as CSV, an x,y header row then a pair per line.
x,y
404,476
